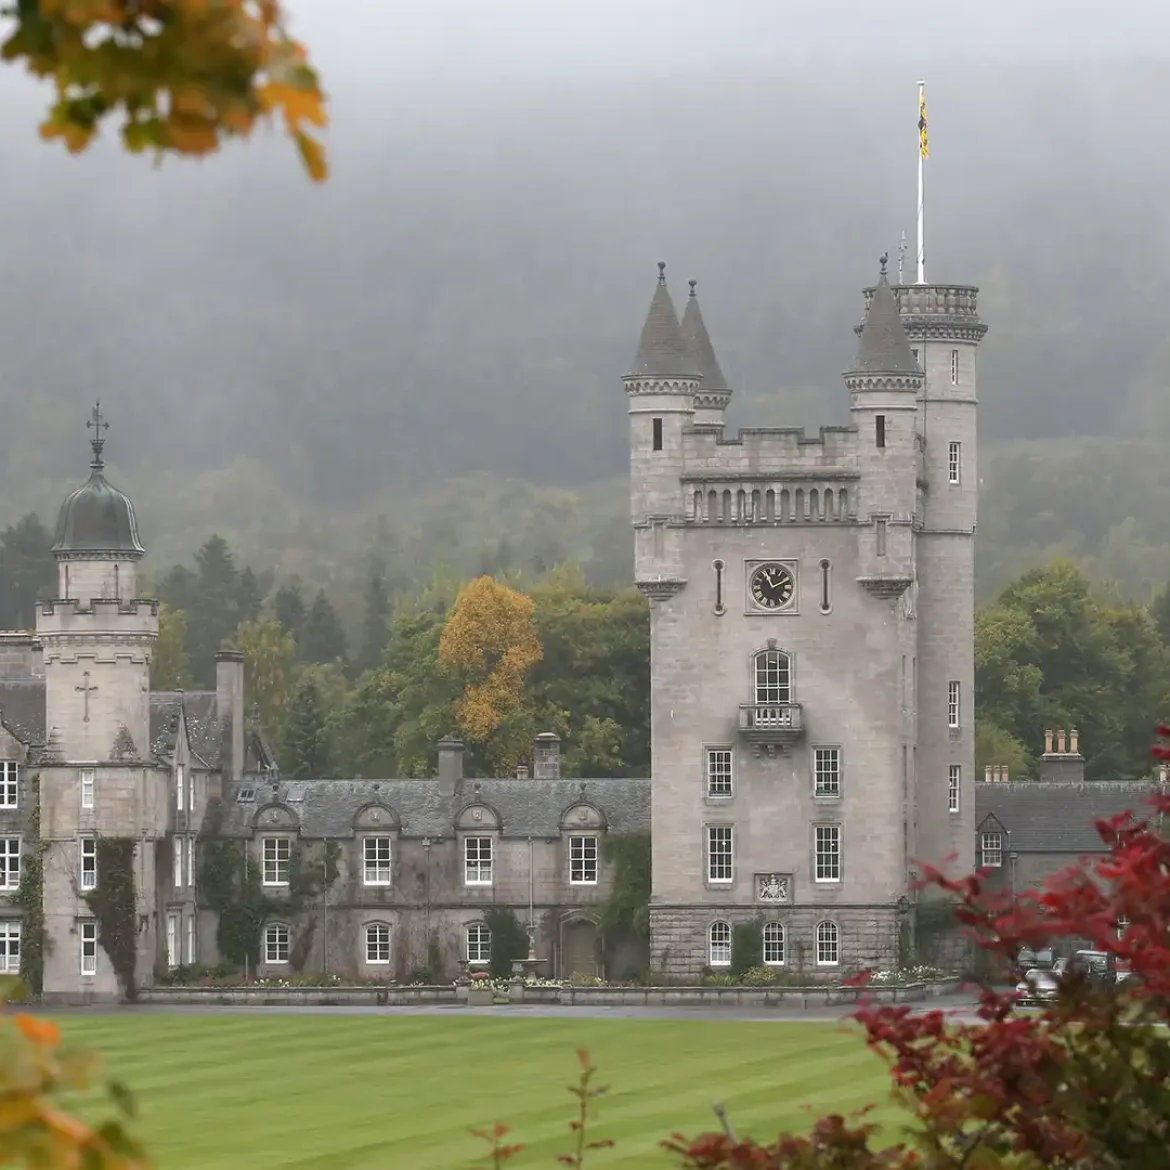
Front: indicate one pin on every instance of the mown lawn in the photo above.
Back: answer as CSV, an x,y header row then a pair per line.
x,y
401,1092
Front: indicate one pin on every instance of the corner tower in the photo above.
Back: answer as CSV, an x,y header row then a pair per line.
x,y
714,394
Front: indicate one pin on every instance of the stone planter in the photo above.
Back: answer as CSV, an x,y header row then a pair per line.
x,y
480,996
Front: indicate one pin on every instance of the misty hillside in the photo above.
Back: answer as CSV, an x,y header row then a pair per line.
x,y
453,312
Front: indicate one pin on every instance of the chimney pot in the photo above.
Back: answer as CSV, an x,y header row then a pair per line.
x,y
1073,738
1060,742
450,765
1048,742
546,756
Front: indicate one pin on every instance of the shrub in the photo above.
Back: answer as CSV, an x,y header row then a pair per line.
x,y
747,947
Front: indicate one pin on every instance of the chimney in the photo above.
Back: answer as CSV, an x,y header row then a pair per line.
x,y
1065,765
450,765
546,756
522,772
229,702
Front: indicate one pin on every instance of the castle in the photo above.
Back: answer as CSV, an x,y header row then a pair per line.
x,y
812,647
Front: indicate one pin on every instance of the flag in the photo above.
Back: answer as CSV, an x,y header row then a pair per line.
x,y
923,138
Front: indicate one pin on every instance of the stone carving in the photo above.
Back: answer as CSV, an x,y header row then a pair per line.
x,y
477,814
775,888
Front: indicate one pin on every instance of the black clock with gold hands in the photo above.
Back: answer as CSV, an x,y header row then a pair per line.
x,y
772,586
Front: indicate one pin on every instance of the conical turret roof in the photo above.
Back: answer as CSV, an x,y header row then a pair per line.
x,y
662,352
698,342
884,348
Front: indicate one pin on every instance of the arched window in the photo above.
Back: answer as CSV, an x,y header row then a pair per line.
x,y
773,677
828,944
479,945
826,598
719,945
276,943
377,943
773,944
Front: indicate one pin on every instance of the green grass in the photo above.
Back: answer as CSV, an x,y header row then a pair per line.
x,y
403,1091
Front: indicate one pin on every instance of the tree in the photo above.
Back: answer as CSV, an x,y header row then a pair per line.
x,y
289,608
490,643
250,597
376,619
28,572
181,76
269,655
307,753
168,665
322,639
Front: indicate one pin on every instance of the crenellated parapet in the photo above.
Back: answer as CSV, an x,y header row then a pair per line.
x,y
936,311
100,619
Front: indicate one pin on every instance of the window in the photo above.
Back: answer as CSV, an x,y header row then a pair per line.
x,y
658,434
9,948
277,851
173,922
376,852
828,853
179,787
828,944
190,938
377,943
880,525
773,944
773,677
177,877
8,792
719,945
955,463
89,874
952,704
991,850
477,857
915,353
276,943
718,565
826,599
9,863
87,787
190,849
719,853
719,771
479,945
583,861
827,771
879,430
954,367
954,779
89,948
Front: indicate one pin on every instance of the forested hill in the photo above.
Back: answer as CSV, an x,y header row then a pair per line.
x,y
445,324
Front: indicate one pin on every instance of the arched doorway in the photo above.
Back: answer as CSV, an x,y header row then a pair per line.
x,y
579,949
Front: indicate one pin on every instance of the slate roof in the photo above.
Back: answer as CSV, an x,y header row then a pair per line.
x,y
1054,817
662,352
22,707
527,808
884,347
205,729
698,340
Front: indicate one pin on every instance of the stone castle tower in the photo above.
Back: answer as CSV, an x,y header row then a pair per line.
x,y
98,778
812,637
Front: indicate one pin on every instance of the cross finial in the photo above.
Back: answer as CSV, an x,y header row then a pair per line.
x,y
692,283
97,424
885,257
661,271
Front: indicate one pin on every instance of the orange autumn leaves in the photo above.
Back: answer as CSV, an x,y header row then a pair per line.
x,y
180,76
490,643
34,1129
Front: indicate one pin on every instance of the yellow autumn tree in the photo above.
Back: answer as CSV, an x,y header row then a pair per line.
x,y
177,76
35,1127
490,644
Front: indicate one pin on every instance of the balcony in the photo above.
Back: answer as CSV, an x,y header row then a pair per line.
x,y
771,723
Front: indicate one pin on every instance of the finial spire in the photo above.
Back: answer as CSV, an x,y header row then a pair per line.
x,y
97,424
661,271
692,283
884,260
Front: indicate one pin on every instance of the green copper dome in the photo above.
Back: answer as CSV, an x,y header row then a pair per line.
x,y
97,518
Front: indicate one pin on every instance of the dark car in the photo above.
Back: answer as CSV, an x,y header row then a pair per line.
x,y
1032,959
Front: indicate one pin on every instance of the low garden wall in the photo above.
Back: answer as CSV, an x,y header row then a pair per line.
x,y
552,994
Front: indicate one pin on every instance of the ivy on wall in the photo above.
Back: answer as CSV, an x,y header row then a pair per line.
x,y
30,897
747,947
114,904
627,909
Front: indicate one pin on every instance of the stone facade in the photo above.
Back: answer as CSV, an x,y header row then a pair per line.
x,y
812,635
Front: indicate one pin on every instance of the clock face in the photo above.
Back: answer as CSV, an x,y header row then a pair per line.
x,y
772,586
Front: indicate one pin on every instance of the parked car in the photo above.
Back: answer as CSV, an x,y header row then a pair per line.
x,y
1041,984
1029,959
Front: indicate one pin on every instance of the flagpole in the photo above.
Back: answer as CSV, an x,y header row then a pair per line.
x,y
921,243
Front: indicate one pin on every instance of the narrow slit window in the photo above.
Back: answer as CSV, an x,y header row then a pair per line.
x,y
880,430
954,367
718,586
658,434
880,530
826,602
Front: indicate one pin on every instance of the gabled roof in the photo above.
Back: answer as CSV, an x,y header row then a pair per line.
x,y
884,348
662,352
22,707
204,726
527,808
1055,817
698,342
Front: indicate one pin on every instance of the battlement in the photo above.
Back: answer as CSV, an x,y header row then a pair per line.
x,y
101,618
935,310
103,605
776,451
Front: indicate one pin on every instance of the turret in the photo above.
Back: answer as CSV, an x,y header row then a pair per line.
x,y
714,394
885,383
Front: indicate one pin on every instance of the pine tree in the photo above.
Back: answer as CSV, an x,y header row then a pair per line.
x,y
249,598
289,608
322,639
213,614
307,751
28,572
376,622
